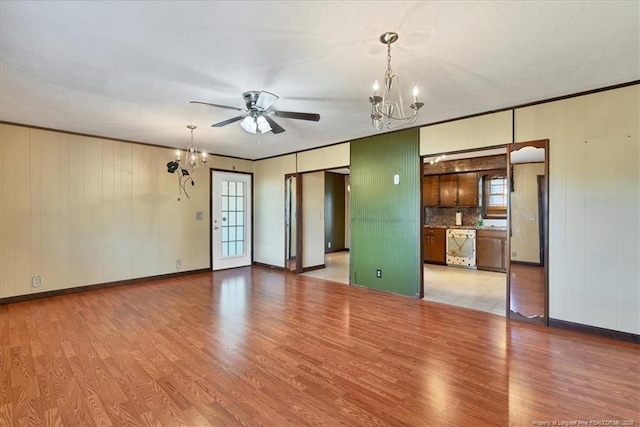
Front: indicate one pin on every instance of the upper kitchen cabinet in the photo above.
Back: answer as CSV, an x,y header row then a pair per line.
x,y
430,190
468,189
459,189
448,190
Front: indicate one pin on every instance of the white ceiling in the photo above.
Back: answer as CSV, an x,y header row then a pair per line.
x,y
128,70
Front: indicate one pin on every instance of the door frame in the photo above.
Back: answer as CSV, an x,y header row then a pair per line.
x,y
298,242
251,216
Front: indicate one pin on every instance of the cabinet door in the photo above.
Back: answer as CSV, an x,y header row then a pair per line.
x,y
448,190
434,245
490,253
430,189
468,189
440,246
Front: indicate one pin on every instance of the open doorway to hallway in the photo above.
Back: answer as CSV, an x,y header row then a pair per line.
x,y
325,203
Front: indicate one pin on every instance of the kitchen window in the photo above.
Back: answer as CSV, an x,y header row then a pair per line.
x,y
494,196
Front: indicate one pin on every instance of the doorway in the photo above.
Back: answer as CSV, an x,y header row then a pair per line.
x,y
465,193
231,237
317,224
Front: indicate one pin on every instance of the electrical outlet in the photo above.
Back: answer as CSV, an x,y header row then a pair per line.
x,y
329,245
179,264
36,281
514,253
378,274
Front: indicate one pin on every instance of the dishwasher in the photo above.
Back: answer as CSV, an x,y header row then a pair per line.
x,y
461,247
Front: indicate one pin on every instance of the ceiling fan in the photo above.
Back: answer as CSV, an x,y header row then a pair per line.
x,y
257,116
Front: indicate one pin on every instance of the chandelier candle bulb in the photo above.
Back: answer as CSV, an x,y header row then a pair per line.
x,y
415,94
376,86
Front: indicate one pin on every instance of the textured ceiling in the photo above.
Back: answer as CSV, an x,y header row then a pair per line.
x,y
128,70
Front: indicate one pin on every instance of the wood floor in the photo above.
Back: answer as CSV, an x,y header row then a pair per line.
x,y
527,289
254,347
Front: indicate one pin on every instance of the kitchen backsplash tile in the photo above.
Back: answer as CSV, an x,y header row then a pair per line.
x,y
447,216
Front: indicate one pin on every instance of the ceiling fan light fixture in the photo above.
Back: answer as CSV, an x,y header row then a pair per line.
x,y
263,125
257,116
249,124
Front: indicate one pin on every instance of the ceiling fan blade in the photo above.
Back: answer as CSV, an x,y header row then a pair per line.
x,y
229,121
266,100
216,105
275,128
301,116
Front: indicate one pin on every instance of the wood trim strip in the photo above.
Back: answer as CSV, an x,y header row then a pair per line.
x,y
58,292
532,264
314,267
299,220
594,330
267,266
108,138
543,101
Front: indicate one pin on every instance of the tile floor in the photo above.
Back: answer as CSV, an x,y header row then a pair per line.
x,y
475,289
337,268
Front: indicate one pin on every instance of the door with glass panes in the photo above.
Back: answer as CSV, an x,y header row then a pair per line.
x,y
231,220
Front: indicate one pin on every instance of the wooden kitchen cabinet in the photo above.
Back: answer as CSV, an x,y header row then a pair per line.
x,y
458,189
448,190
435,245
491,250
430,190
468,189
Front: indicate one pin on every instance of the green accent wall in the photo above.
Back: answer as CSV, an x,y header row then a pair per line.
x,y
385,218
334,213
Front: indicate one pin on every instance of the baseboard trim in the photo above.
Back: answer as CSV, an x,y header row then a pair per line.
x,y
594,330
337,250
269,266
78,289
527,263
313,267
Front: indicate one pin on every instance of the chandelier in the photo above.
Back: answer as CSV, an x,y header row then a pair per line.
x,y
191,162
390,106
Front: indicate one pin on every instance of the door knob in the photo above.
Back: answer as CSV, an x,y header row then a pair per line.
x,y
215,228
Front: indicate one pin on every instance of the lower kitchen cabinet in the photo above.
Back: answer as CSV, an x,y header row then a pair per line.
x,y
491,250
435,245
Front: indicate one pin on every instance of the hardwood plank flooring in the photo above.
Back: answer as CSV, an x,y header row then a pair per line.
x,y
259,347
527,289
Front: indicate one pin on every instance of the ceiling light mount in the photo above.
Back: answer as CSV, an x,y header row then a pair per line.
x,y
390,107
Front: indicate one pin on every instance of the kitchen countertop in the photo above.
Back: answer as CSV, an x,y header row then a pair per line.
x,y
469,227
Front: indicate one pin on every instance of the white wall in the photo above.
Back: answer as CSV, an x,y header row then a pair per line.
x,y
477,132
79,211
268,231
312,219
594,273
324,158
525,221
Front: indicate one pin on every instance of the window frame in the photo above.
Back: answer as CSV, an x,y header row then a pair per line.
x,y
488,210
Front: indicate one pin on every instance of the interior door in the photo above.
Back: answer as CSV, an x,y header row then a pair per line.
x,y
231,220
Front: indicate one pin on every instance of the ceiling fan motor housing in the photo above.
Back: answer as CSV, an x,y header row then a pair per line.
x,y
250,98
